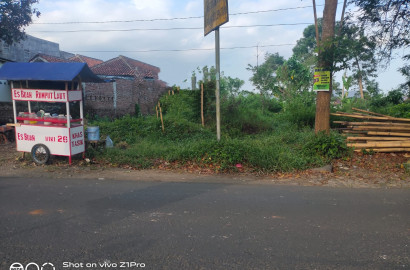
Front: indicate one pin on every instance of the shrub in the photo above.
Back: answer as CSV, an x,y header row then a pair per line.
x,y
330,146
301,110
400,110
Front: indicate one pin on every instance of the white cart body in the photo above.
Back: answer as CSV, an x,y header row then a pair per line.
x,y
62,136
65,139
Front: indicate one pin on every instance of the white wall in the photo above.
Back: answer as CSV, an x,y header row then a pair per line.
x,y
5,91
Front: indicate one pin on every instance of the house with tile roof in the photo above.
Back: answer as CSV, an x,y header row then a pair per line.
x,y
135,85
91,62
125,66
42,57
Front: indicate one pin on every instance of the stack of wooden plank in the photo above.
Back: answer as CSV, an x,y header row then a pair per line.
x,y
376,132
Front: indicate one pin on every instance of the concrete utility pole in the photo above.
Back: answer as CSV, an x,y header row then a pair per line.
x,y
217,91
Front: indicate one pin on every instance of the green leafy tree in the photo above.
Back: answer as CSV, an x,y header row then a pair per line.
x,y
386,21
14,16
356,51
373,89
306,48
405,71
293,78
264,75
231,86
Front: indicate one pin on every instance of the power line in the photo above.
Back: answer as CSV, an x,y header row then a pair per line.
x,y
164,29
176,18
185,50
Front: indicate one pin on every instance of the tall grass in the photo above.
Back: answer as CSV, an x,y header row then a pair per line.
x,y
281,149
258,133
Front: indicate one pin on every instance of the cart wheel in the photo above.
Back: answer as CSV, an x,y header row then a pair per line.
x,y
40,154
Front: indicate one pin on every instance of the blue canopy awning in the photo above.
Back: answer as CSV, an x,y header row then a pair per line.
x,y
47,72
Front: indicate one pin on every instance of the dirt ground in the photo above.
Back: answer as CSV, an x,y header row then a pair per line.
x,y
391,170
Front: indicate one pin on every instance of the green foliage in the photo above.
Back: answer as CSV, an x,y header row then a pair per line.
x,y
137,110
300,110
330,146
129,129
294,78
400,110
305,48
388,22
347,83
245,115
382,103
184,105
395,97
14,16
264,75
140,143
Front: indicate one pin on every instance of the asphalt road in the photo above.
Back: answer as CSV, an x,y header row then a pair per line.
x,y
108,224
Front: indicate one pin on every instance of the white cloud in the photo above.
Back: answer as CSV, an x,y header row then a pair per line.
x,y
175,66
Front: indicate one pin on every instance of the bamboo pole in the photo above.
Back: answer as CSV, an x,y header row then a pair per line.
x,y
380,144
347,123
162,119
382,133
370,117
371,113
385,150
384,128
354,132
202,105
359,138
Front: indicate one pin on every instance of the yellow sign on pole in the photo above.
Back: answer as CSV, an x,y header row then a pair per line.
x,y
321,79
216,14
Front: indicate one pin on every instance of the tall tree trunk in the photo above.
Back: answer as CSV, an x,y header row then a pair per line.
x,y
360,79
322,121
316,25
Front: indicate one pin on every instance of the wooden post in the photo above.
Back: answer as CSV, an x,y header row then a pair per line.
x,y
162,119
202,105
156,109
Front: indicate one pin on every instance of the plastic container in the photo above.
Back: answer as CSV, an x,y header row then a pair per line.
x,y
32,116
109,143
93,133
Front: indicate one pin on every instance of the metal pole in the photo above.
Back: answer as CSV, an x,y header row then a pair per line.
x,y
218,73
14,104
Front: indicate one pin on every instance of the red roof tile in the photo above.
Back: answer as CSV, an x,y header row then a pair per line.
x,y
41,57
125,66
85,59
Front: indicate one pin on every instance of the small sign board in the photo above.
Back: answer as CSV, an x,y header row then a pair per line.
x,y
321,79
215,14
45,95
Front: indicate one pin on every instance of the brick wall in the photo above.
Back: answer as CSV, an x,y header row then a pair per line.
x,y
100,99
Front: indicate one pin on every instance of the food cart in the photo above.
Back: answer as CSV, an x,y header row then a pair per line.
x,y
39,132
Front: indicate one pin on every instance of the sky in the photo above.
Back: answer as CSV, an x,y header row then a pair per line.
x,y
154,31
